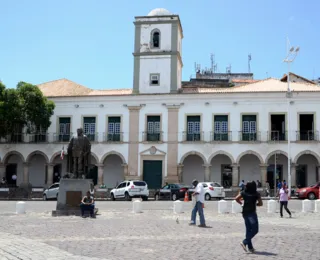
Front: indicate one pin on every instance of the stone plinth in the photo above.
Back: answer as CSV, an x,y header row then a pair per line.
x,y
71,192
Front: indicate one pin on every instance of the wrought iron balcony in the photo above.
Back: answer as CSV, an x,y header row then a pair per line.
x,y
307,135
13,138
221,137
277,136
249,137
108,137
39,138
62,138
152,136
93,137
192,137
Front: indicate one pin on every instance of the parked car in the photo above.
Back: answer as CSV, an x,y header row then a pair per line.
x,y
211,190
311,192
173,191
130,189
52,192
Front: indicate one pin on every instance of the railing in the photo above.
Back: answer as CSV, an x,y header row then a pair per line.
x,y
62,138
307,135
13,138
277,136
39,138
118,137
192,137
220,137
249,137
93,137
152,137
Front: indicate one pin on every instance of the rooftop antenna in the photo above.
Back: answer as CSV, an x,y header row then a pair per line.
x,y
249,61
212,63
228,70
197,67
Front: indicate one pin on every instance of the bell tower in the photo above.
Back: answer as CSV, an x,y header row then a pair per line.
x,y
157,53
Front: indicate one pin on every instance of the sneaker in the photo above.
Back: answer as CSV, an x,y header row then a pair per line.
x,y
290,216
244,247
202,226
252,250
192,224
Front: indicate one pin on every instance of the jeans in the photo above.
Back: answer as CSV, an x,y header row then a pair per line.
x,y
198,208
285,205
252,228
85,207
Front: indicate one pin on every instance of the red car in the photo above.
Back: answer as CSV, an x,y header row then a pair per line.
x,y
311,192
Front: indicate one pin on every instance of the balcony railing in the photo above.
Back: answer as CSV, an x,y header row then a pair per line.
x,y
249,137
221,137
118,137
277,136
192,137
13,138
93,137
152,137
62,138
307,135
39,138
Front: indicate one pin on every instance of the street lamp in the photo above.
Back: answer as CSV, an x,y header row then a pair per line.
x,y
291,55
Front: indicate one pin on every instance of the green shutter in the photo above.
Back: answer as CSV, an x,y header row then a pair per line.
x,y
114,119
221,118
249,118
153,118
193,118
89,120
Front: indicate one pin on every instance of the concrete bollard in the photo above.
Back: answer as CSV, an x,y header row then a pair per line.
x,y
272,206
236,207
222,207
177,207
20,207
306,206
137,206
317,206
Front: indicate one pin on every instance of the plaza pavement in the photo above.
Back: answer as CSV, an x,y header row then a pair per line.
x,y
119,234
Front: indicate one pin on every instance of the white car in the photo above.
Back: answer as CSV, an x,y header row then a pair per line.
x,y
130,189
52,192
212,190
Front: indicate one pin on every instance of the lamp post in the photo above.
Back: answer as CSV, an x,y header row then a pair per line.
x,y
291,55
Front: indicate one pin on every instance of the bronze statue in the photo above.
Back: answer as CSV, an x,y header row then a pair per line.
x,y
79,155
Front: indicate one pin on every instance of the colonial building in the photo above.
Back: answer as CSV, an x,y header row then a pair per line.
x,y
164,130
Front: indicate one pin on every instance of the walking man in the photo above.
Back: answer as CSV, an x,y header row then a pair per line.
x,y
283,199
198,207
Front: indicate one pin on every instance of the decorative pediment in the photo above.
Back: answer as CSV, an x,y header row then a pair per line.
x,y
153,151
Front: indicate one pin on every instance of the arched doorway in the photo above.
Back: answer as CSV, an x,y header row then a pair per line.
x,y
221,170
13,162
59,166
193,168
277,167
93,169
37,162
306,170
113,172
249,169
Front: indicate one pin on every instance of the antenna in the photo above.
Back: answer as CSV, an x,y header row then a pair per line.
x,y
212,63
228,70
249,61
197,67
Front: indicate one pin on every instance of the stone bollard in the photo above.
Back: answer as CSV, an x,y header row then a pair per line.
x,y
272,205
317,206
222,207
137,206
20,207
306,206
236,207
177,207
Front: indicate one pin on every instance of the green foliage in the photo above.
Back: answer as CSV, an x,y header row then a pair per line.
x,y
22,107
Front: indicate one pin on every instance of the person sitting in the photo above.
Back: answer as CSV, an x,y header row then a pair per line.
x,y
87,204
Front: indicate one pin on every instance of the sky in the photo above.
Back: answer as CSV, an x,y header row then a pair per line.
x,y
91,42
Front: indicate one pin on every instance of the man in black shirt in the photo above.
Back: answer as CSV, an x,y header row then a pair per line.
x,y
251,199
87,204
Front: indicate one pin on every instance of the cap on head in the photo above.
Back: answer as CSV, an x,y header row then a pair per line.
x,y
194,182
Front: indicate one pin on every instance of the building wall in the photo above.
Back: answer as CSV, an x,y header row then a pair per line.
x,y
165,40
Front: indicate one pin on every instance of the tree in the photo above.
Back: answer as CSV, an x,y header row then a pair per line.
x,y
24,107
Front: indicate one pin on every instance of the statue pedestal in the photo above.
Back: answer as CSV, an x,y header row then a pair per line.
x,y
71,192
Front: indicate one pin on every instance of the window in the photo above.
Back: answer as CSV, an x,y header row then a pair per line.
x,y
249,128
221,128
154,79
193,128
89,127
153,128
155,39
64,129
114,126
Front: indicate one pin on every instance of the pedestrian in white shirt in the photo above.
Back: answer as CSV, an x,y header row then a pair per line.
x,y
198,207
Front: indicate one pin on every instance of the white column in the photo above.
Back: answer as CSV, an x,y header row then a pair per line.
x,y
100,174
293,175
235,175
25,173
50,175
180,172
263,172
207,168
